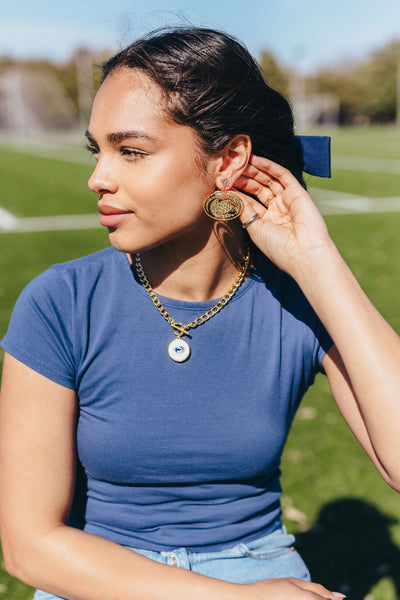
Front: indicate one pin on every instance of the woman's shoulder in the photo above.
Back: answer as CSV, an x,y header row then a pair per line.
x,y
78,269
64,283
97,260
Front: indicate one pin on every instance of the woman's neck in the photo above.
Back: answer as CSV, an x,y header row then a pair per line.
x,y
184,270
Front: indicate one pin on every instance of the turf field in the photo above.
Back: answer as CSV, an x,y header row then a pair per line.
x,y
347,519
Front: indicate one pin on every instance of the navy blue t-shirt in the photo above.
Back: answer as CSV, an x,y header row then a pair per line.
x,y
174,454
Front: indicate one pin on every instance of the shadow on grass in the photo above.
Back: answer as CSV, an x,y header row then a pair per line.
x,y
349,549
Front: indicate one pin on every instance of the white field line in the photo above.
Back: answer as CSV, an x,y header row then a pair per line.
x,y
366,163
328,202
341,203
331,202
11,224
7,220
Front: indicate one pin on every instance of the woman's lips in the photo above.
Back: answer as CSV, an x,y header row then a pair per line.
x,y
111,215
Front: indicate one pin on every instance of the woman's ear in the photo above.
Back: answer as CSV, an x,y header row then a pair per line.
x,y
233,159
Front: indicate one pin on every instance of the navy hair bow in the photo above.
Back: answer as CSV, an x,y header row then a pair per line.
x,y
316,154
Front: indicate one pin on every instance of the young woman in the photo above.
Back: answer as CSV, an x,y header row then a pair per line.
x,y
148,389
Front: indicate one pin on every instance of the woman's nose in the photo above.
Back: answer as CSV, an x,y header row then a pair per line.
x,y
103,178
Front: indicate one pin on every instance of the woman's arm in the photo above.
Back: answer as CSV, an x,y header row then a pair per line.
x,y
364,366
37,466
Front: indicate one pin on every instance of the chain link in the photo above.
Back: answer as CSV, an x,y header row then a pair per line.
x,y
178,328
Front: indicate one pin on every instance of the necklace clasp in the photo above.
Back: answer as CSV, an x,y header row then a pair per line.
x,y
179,329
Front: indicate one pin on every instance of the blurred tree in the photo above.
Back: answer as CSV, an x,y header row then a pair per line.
x,y
376,80
367,90
79,77
274,74
65,73
6,62
339,81
68,77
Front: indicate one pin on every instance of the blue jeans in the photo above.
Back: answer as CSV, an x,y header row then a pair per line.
x,y
269,557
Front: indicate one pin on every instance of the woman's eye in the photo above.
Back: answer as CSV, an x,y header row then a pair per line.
x,y
130,153
92,149
133,153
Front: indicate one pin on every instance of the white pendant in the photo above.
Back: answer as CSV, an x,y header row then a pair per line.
x,y
179,350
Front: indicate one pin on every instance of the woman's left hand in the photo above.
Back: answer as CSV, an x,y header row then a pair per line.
x,y
290,228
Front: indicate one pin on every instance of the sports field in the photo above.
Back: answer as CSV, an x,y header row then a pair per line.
x,y
347,519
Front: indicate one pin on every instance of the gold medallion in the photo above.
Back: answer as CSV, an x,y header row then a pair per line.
x,y
223,206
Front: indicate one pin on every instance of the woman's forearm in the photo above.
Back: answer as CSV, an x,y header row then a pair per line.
x,y
368,346
79,566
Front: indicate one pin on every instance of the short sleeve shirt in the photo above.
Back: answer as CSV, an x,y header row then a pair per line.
x,y
172,454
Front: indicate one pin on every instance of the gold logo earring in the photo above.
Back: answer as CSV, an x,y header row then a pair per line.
x,y
223,205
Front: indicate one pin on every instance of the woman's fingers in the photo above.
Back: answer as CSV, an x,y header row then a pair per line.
x,y
261,176
255,188
267,180
292,588
273,170
251,208
319,589
262,184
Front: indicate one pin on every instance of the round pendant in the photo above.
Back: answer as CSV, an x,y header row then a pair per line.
x,y
179,350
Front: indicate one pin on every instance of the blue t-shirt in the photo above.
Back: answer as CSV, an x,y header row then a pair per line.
x,y
174,454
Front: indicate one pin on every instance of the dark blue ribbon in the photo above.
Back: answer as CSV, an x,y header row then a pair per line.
x,y
316,154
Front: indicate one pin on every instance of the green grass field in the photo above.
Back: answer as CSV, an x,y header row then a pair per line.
x,y
347,519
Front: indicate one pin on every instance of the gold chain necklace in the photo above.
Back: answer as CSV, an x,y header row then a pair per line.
x,y
179,349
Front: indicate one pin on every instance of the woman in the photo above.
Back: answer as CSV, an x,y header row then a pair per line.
x,y
176,403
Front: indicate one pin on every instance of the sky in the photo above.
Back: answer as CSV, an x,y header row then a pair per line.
x,y
303,34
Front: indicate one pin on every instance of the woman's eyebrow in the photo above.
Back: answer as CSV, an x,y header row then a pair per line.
x,y
119,136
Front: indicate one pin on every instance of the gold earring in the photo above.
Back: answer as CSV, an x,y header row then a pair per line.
x,y
223,205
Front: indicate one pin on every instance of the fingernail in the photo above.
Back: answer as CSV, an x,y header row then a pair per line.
x,y
339,595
